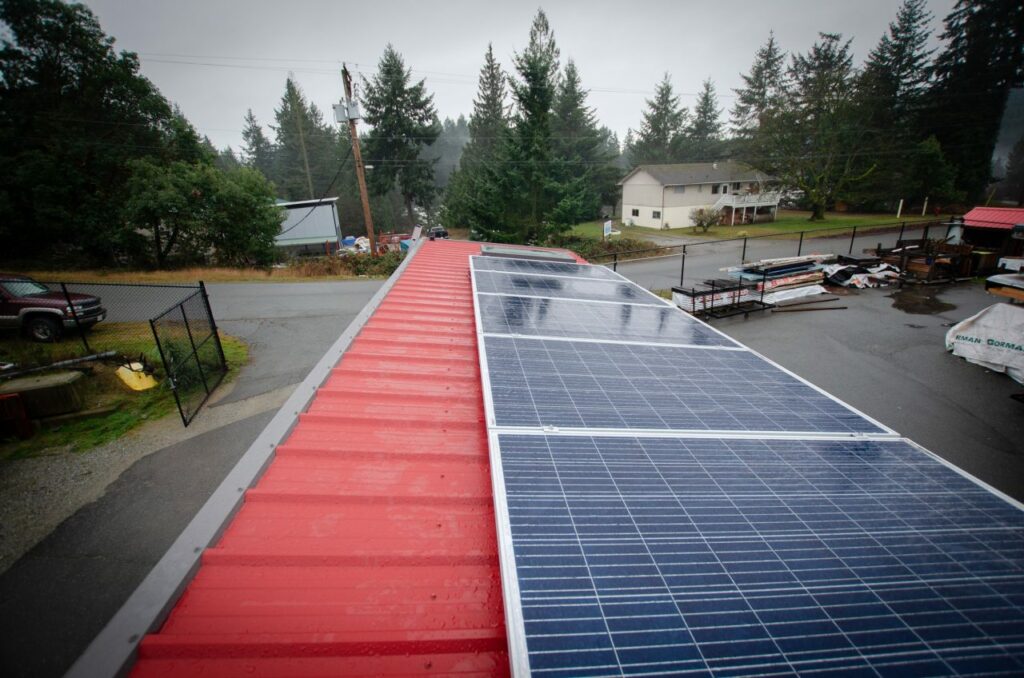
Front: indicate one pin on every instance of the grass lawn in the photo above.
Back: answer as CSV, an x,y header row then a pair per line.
x,y
789,222
102,388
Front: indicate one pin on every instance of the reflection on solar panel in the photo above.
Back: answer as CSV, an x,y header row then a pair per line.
x,y
540,382
778,556
583,320
720,516
543,267
491,282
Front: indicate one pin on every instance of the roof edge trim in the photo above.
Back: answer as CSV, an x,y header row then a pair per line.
x,y
114,649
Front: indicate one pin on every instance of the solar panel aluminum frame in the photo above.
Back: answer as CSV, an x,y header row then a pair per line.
x,y
519,659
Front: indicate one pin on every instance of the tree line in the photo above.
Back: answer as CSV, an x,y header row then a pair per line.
x,y
98,167
910,124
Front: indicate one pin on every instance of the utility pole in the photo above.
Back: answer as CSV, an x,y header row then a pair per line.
x,y
351,109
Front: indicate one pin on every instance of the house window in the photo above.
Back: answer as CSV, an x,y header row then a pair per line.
x,y
656,214
679,189
714,188
636,212
736,186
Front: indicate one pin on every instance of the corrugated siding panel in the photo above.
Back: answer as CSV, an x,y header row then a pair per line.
x,y
368,547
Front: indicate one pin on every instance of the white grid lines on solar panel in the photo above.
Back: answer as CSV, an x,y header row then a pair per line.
x,y
573,319
834,589
527,267
491,282
536,383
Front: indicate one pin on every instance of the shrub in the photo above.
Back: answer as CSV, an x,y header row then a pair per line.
x,y
704,218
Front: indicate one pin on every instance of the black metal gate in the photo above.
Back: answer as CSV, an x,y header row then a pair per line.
x,y
186,336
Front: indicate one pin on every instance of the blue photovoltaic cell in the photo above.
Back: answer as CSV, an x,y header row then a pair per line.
x,y
587,320
491,282
538,382
725,557
543,267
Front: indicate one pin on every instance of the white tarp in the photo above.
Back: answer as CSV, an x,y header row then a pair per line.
x,y
993,338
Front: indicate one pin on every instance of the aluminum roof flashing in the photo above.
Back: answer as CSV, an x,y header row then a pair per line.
x,y
527,253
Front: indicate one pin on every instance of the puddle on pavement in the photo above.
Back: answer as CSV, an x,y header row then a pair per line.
x,y
920,300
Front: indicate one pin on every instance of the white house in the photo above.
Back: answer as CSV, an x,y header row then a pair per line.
x,y
662,196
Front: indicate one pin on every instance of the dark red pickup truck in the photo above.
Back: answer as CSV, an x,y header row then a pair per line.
x,y
41,313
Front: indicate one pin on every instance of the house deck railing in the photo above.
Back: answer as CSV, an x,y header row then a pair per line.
x,y
767,198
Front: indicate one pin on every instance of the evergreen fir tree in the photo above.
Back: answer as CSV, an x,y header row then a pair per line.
x,y
257,151
981,61
663,122
580,149
305,160
404,123
489,120
762,90
891,91
516,198
703,137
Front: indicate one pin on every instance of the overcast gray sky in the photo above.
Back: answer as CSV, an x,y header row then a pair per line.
x,y
231,56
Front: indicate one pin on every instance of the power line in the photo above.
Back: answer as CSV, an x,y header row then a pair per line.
x,y
324,195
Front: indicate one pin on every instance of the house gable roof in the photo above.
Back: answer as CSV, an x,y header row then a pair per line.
x,y
684,174
994,217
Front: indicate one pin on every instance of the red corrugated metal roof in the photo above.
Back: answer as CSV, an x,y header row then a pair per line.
x,y
994,217
368,547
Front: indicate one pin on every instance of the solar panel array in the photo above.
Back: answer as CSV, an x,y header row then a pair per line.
x,y
670,502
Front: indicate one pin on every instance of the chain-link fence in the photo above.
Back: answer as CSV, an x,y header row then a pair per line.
x,y
190,348
693,263
158,326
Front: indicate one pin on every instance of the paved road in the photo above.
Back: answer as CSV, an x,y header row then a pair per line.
x,y
705,261
288,326
58,596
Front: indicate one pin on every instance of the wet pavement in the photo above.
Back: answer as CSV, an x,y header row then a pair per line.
x,y
885,355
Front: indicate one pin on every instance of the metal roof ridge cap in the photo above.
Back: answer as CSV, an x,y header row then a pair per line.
x,y
113,650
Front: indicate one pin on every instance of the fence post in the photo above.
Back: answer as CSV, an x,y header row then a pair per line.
x,y
924,237
213,325
903,225
853,236
615,261
800,245
743,256
74,315
682,266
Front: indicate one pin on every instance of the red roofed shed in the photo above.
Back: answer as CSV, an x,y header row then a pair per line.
x,y
1004,218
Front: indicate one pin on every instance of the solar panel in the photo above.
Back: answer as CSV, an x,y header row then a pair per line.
x,y
543,267
492,282
584,320
543,382
725,556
